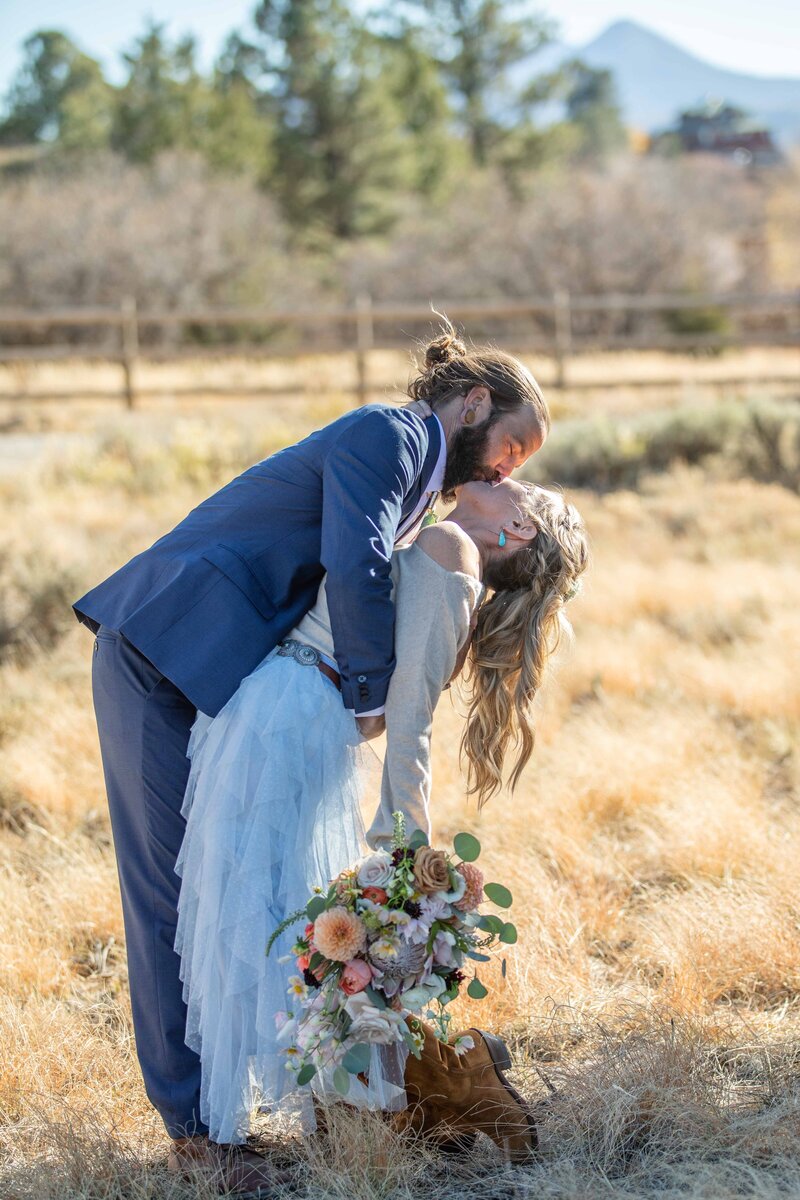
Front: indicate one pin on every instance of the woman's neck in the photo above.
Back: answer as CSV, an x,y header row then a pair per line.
x,y
477,536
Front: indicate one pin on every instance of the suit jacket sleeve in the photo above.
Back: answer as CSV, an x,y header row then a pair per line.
x,y
367,475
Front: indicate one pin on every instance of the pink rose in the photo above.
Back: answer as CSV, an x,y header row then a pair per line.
x,y
355,976
302,962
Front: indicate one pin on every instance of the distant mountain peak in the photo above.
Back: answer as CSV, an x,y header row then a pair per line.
x,y
656,79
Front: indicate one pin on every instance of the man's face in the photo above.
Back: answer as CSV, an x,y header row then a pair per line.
x,y
493,449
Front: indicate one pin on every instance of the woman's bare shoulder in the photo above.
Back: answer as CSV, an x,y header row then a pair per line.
x,y
447,544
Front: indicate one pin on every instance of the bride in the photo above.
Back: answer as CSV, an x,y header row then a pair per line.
x,y
273,802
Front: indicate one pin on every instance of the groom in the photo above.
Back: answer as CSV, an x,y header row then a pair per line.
x,y
179,626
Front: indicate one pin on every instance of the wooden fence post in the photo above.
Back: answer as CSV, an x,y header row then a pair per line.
x,y
365,339
563,335
129,329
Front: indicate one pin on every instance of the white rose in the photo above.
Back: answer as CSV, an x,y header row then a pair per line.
x,y
376,870
419,997
379,1026
458,885
443,948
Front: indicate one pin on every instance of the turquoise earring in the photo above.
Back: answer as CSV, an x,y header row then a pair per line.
x,y
501,541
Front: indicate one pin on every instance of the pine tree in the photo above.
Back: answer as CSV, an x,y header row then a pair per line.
x,y
161,104
591,105
342,153
476,43
58,94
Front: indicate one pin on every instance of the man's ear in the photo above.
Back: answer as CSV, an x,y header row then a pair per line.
x,y
476,406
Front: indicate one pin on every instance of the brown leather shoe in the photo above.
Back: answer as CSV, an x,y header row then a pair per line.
x,y
453,1096
235,1169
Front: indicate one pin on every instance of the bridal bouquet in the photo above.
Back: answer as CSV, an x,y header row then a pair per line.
x,y
393,935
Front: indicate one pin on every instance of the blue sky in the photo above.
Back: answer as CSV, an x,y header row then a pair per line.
x,y
761,38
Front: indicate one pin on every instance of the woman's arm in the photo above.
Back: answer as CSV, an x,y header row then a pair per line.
x,y
432,623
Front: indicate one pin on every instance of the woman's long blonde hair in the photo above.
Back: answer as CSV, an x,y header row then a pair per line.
x,y
517,629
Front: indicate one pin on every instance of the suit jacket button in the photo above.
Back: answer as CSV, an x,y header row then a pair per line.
x,y
362,679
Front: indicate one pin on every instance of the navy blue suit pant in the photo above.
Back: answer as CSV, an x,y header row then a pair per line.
x,y
144,724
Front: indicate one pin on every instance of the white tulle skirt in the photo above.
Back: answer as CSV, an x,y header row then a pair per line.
x,y
273,808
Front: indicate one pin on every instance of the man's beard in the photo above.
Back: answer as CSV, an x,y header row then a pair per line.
x,y
466,457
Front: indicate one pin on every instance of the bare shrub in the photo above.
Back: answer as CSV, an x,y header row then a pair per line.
x,y
639,227
173,236
760,440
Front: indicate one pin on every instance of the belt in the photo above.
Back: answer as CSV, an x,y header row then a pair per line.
x,y
309,656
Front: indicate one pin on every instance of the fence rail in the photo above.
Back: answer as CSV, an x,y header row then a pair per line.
x,y
561,326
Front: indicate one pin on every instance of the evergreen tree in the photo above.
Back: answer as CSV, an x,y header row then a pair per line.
x,y
341,151
476,43
424,110
591,106
237,135
161,105
59,93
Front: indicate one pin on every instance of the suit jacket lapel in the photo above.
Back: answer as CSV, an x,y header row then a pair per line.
x,y
431,457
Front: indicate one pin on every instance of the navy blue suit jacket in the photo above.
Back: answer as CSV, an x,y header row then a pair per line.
x,y
209,600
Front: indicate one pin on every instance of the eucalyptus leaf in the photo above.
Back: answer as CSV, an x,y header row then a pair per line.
x,y
479,957
508,934
417,839
341,1081
503,968
476,989
315,906
375,997
306,1073
498,894
491,923
357,1059
466,846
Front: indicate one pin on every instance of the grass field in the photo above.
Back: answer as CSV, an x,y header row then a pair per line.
x,y
653,1000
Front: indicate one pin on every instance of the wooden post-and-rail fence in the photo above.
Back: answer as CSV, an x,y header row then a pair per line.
x,y
561,326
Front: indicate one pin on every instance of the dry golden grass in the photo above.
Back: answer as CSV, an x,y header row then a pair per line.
x,y
652,1001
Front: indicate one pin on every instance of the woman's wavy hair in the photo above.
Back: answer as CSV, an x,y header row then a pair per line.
x,y
451,368
518,627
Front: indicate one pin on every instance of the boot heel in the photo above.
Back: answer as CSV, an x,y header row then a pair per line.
x,y
497,1049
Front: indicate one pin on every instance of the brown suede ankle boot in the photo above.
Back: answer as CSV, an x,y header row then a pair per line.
x,y
235,1170
453,1096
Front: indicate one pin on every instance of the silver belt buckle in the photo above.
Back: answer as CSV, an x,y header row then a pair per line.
x,y
307,656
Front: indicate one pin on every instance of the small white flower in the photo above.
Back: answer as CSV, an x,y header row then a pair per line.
x,y
383,947
463,1043
292,1058
297,987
